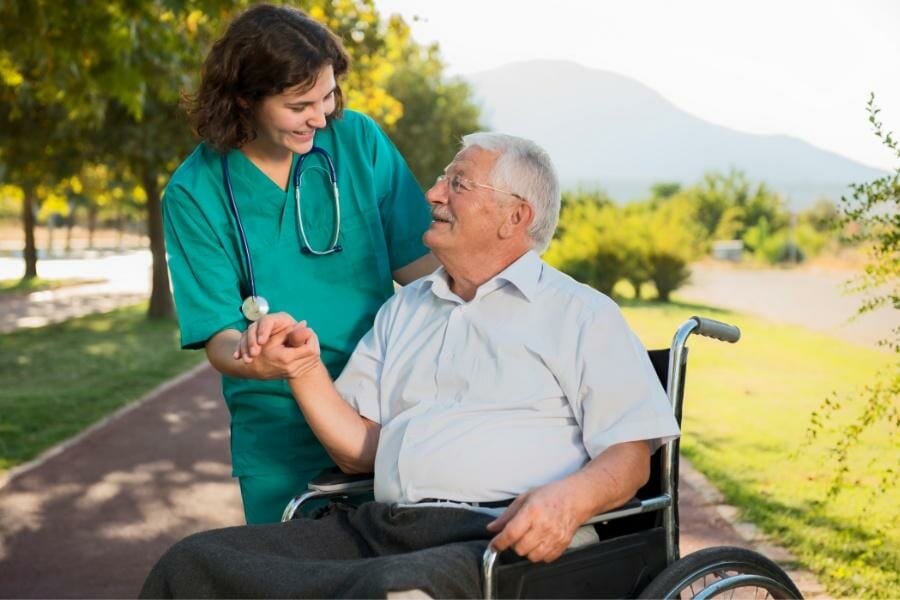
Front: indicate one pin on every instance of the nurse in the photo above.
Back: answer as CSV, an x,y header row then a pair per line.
x,y
237,228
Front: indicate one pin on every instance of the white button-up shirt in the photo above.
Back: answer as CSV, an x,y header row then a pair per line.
x,y
486,399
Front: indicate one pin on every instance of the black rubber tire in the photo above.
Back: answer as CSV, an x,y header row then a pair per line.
x,y
677,577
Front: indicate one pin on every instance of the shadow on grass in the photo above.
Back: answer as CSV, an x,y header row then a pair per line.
x,y
853,558
675,305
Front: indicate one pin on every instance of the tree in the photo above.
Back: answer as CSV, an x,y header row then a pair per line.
x,y
589,242
436,112
101,83
874,209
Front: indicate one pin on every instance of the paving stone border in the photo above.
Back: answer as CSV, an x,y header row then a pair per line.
x,y
805,580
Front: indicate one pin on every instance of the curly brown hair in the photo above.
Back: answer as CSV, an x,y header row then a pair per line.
x,y
265,50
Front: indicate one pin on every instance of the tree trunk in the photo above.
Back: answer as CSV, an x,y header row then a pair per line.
x,y
28,222
92,225
161,305
70,226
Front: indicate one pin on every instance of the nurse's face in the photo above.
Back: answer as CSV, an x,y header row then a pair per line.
x,y
289,120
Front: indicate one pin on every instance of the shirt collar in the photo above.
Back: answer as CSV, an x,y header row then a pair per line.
x,y
524,273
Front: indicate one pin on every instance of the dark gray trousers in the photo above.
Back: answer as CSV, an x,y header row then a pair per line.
x,y
348,552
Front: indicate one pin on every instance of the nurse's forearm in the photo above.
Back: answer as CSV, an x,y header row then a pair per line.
x,y
349,438
422,266
220,352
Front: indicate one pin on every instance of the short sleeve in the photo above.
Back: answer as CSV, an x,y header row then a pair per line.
x,y
205,283
405,214
360,381
619,398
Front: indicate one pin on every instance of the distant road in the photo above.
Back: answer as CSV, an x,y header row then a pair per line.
x,y
125,280
812,298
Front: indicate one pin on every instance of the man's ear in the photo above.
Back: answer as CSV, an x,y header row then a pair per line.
x,y
519,219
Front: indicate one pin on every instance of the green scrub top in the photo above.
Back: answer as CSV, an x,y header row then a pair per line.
x,y
383,217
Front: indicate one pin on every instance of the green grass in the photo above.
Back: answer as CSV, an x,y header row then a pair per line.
x,y
747,408
58,380
36,284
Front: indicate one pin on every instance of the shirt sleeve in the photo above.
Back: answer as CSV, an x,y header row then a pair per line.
x,y
205,282
360,381
619,398
405,214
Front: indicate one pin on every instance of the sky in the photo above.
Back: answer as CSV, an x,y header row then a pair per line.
x,y
795,67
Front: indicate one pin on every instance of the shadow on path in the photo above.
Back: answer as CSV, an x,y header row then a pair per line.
x,y
90,521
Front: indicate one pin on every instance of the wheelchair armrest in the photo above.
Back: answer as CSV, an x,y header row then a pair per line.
x,y
632,507
334,480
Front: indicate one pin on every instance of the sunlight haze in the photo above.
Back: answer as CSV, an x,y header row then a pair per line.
x,y
802,69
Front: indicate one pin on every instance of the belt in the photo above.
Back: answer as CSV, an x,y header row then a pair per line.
x,y
491,504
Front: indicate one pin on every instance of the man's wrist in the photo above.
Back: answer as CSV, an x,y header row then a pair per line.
x,y
309,372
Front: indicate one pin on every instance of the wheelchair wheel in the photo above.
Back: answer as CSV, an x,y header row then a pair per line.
x,y
710,572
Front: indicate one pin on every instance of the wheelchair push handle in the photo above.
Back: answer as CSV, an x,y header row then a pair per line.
x,y
717,329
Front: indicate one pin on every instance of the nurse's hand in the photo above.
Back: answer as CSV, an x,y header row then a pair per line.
x,y
260,332
277,347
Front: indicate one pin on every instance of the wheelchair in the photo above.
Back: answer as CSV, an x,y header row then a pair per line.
x,y
636,554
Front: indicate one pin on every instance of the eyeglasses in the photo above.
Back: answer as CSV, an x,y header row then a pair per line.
x,y
458,182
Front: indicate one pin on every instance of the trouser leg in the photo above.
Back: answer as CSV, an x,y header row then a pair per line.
x,y
347,553
275,560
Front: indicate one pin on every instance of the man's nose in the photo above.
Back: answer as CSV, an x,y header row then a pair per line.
x,y
437,194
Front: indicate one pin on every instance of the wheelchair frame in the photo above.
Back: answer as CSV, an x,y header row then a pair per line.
x,y
731,568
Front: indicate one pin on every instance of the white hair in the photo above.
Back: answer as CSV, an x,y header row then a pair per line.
x,y
525,168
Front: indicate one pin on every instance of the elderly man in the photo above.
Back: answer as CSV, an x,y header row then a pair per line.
x,y
497,401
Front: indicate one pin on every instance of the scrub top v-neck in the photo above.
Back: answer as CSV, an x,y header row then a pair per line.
x,y
383,216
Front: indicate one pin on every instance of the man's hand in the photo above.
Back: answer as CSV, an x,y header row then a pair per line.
x,y
282,347
540,523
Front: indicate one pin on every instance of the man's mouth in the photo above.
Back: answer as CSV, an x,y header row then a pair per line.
x,y
440,218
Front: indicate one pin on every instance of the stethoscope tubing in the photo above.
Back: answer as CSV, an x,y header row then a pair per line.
x,y
297,175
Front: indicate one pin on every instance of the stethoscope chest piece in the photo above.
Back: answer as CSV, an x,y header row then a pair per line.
x,y
255,307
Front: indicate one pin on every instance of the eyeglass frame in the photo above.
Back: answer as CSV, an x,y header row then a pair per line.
x,y
459,179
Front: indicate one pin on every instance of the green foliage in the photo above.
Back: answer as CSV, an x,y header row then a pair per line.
x,y
728,206
874,209
436,112
823,216
664,189
590,244
600,243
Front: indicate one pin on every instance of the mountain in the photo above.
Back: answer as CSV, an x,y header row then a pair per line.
x,y
606,130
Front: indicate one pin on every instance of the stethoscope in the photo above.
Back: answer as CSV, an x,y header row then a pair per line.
x,y
255,306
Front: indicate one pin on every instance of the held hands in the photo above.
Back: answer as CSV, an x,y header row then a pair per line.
x,y
540,523
279,347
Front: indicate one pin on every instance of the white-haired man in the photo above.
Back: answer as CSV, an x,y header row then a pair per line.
x,y
496,400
